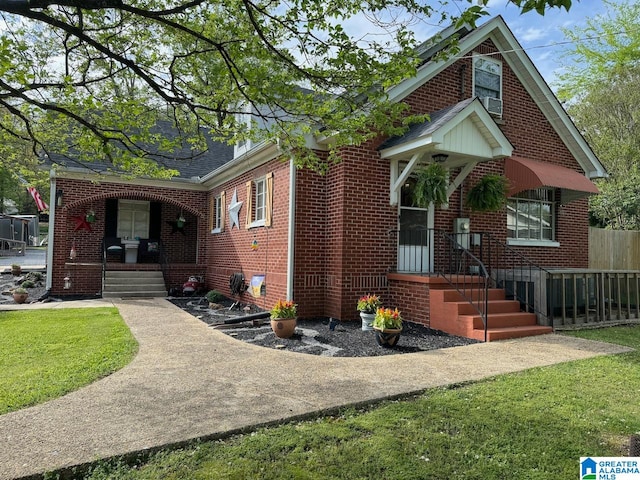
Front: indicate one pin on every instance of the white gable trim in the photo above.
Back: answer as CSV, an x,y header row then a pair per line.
x,y
472,133
513,54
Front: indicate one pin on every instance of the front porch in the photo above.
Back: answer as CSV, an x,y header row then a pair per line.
x,y
143,232
456,304
489,291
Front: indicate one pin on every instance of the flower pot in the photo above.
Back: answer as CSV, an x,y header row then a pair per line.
x,y
16,270
20,297
283,327
367,321
388,337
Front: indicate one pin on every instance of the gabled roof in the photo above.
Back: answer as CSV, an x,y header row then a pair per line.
x,y
188,164
499,33
464,130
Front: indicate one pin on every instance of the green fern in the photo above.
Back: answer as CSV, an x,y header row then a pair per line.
x,y
431,186
489,194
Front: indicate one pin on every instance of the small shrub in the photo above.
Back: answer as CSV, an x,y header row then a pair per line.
x,y
214,296
28,284
35,277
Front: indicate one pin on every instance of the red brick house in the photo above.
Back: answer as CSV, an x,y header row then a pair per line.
x,y
325,240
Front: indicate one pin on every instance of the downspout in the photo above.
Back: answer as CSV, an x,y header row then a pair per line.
x,y
52,221
291,233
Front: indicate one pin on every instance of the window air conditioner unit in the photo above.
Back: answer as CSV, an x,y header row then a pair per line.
x,y
493,106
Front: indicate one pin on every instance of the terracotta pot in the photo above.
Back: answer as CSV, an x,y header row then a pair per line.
x,y
388,337
367,321
17,270
283,327
20,297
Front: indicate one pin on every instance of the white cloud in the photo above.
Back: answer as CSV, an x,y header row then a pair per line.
x,y
531,34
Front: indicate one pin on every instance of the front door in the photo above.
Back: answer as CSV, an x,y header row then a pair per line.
x,y
415,237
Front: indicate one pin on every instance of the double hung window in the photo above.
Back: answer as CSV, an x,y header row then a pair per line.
x,y
487,77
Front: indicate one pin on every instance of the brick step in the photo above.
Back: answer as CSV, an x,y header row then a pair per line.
x,y
495,306
504,333
499,320
451,295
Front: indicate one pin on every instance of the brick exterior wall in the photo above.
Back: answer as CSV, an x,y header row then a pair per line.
x,y
186,253
234,251
354,197
343,219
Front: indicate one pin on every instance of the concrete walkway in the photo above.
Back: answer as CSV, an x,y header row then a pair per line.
x,y
190,381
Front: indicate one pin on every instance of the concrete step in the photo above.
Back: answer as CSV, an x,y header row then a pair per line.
x,y
451,295
133,274
140,294
133,283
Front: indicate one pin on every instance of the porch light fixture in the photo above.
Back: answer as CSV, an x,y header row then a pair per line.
x,y
67,282
440,157
59,194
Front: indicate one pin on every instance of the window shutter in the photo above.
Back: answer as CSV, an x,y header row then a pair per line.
x,y
212,212
268,200
249,203
223,210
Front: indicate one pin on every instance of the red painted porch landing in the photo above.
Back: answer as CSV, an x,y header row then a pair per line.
x,y
451,313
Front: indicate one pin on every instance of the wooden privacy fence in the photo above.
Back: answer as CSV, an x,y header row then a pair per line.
x,y
614,249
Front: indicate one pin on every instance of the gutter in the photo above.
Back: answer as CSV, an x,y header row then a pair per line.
x,y
52,221
291,232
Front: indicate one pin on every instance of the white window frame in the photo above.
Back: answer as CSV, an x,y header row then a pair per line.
x,y
138,208
217,215
513,210
478,58
259,202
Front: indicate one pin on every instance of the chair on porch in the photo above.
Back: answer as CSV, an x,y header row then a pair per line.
x,y
148,251
113,249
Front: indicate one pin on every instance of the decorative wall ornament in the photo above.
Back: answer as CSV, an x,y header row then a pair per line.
x,y
234,210
81,223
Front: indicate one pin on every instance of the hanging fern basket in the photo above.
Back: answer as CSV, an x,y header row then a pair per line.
x,y
489,194
431,186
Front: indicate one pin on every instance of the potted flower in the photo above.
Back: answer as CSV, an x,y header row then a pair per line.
x,y
283,318
16,269
367,306
388,325
20,295
90,217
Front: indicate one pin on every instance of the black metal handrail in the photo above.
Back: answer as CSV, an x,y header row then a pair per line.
x,y
472,264
522,279
430,251
464,272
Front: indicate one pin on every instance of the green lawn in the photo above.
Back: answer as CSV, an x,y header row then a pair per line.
x,y
529,425
47,353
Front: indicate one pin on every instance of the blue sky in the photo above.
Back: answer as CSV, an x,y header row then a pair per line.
x,y
541,36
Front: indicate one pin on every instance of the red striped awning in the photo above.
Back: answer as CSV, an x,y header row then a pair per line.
x,y
526,174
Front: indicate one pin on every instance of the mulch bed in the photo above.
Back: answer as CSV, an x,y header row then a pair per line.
x,y
314,336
